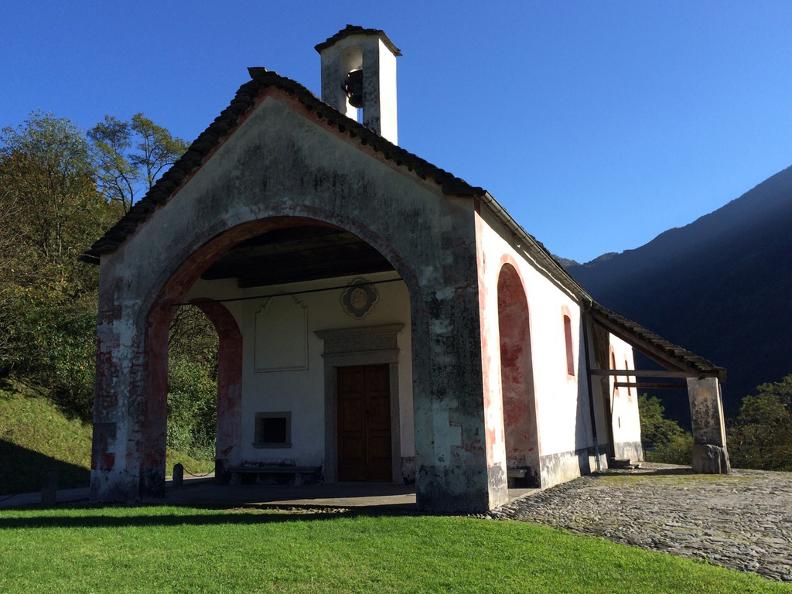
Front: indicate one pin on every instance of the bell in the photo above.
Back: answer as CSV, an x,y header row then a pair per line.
x,y
353,87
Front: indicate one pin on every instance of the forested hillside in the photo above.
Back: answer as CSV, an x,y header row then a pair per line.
x,y
59,190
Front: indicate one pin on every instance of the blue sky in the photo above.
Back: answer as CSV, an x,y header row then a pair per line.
x,y
598,125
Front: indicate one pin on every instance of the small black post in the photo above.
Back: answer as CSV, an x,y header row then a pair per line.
x,y
49,490
178,475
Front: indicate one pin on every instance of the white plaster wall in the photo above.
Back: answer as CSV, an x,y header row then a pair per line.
x,y
563,416
624,401
302,391
387,93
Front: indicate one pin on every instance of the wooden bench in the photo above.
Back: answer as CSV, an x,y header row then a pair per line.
x,y
298,472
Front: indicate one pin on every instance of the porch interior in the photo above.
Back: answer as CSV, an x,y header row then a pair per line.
x,y
322,380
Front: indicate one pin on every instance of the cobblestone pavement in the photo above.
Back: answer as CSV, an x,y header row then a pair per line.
x,y
742,520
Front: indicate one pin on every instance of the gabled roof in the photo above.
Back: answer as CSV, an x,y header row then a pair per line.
x,y
227,122
243,104
357,30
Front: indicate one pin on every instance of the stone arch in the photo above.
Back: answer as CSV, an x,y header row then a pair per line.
x,y
517,385
160,313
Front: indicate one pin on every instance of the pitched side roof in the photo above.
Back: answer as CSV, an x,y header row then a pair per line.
x,y
653,345
243,104
357,30
643,339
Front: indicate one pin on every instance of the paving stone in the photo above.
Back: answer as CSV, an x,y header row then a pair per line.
x,y
742,520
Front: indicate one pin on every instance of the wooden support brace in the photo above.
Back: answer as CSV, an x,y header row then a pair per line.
x,y
651,385
657,373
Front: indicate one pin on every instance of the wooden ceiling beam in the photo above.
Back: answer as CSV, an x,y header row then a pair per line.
x,y
284,248
292,274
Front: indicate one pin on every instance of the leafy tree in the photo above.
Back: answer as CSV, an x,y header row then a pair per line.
x,y
131,156
663,439
192,409
192,383
50,210
761,435
192,336
58,191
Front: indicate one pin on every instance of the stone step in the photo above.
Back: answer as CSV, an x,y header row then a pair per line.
x,y
623,464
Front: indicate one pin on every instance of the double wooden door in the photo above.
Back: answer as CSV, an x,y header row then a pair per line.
x,y
364,423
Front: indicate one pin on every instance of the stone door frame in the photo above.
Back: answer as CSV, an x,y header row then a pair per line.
x,y
360,345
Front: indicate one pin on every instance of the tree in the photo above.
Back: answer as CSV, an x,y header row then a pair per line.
x,y
58,192
131,156
761,435
50,211
49,207
663,439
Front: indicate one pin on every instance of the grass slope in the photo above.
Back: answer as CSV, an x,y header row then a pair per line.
x,y
188,550
36,437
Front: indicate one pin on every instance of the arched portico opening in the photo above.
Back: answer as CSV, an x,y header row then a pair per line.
x,y
517,385
277,290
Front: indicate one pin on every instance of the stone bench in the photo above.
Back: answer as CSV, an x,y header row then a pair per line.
x,y
521,477
298,472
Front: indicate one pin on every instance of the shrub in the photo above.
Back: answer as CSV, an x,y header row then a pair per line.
x,y
192,409
663,439
761,435
50,340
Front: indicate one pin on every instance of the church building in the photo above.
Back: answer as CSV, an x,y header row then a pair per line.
x,y
379,319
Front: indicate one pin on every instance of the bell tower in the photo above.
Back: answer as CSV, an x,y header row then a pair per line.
x,y
359,77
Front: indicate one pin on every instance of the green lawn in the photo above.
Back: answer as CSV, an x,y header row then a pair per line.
x,y
195,550
35,436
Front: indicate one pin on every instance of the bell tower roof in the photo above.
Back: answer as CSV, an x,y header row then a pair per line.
x,y
357,30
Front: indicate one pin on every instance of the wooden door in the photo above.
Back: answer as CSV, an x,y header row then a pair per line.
x,y
364,423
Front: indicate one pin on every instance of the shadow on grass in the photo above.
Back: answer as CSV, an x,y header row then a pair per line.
x,y
158,520
217,516
23,470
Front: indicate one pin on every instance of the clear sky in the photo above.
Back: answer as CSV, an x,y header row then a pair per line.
x,y
596,124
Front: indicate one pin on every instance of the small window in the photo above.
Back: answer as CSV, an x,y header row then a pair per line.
x,y
570,355
273,430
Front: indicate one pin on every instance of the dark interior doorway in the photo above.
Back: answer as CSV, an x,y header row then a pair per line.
x,y
364,423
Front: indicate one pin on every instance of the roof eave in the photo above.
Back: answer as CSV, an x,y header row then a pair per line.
x,y
351,30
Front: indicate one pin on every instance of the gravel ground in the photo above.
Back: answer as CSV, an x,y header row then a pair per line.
x,y
742,520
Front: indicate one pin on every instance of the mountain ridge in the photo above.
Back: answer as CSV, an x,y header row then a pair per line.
x,y
720,286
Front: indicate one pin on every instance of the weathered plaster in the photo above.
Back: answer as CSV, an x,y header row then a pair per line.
x,y
517,386
561,400
229,383
277,167
625,418
710,455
